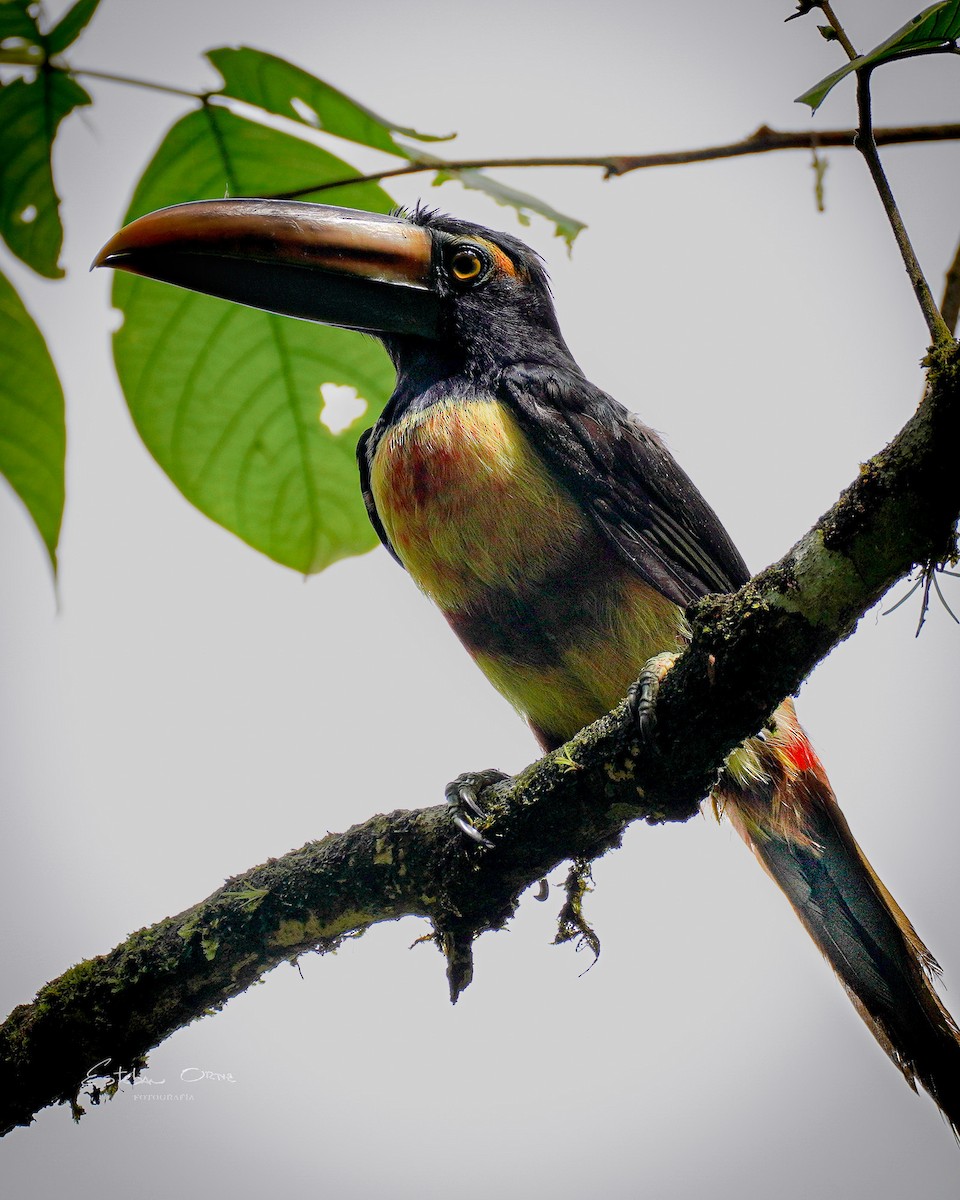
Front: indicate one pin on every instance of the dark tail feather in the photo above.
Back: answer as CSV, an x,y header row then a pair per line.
x,y
863,934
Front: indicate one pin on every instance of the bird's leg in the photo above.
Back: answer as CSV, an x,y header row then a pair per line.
x,y
642,695
461,795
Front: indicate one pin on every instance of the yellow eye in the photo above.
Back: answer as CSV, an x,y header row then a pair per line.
x,y
466,265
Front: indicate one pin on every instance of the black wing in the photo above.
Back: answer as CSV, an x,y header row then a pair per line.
x,y
628,482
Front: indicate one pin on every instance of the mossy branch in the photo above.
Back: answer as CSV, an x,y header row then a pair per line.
x,y
748,651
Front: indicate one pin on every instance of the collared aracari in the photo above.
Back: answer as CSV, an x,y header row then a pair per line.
x,y
555,532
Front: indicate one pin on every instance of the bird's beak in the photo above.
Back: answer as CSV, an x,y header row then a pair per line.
x,y
335,265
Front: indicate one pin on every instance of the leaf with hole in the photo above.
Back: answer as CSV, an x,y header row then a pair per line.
x,y
230,400
931,29
30,114
279,87
32,429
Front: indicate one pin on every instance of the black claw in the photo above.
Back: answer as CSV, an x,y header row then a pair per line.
x,y
642,695
468,796
461,795
474,834
642,702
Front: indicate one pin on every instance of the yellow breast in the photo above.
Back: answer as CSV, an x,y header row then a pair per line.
x,y
467,504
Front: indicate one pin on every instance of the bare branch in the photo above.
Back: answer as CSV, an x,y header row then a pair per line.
x,y
763,141
867,145
149,84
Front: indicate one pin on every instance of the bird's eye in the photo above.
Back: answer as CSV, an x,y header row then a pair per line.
x,y
466,265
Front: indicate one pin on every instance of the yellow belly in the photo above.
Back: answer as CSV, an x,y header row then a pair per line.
x,y
557,623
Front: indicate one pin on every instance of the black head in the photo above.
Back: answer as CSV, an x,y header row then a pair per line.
x,y
496,302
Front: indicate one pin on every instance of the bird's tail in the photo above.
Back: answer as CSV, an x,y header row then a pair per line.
x,y
777,796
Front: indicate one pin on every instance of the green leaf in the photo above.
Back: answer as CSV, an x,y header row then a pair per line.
x,y
213,152
279,87
71,25
565,227
17,23
933,27
32,429
30,114
228,399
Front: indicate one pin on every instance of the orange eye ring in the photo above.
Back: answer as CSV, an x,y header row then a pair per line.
x,y
466,264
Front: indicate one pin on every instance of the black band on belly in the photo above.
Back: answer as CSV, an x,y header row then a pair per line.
x,y
533,626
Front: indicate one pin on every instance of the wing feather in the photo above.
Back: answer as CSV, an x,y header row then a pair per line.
x,y
619,470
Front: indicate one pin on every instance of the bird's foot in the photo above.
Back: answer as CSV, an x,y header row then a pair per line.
x,y
642,695
461,795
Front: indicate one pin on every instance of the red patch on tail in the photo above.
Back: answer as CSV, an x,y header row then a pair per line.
x,y
802,756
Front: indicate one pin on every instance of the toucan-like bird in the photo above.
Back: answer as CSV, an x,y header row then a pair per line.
x,y
554,530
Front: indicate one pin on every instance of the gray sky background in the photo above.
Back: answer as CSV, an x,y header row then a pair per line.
x,y
193,708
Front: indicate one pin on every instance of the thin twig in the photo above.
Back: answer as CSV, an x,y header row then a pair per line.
x,y
763,141
33,56
130,81
867,145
